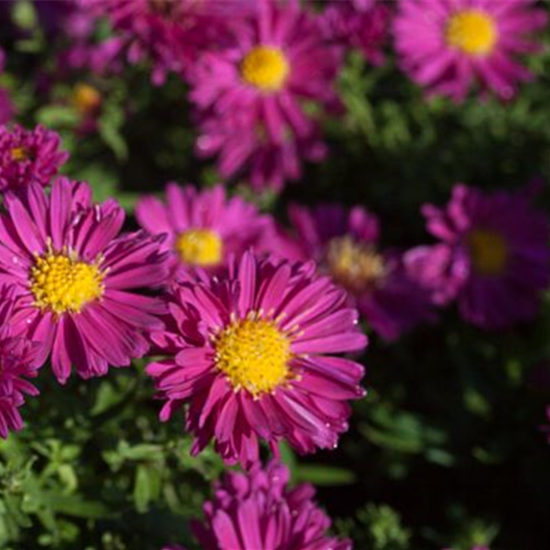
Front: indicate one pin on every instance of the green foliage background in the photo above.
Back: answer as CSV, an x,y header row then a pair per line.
x,y
446,449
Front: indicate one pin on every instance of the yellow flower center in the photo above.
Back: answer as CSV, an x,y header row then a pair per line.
x,y
254,354
355,266
202,247
471,31
62,283
265,68
488,251
86,98
19,154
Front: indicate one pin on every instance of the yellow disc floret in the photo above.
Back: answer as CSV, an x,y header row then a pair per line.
x,y
86,98
474,32
62,283
200,247
488,251
254,355
265,68
354,265
19,154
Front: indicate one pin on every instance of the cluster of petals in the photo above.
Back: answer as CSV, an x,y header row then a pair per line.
x,y
76,279
258,510
252,354
360,24
203,228
17,364
29,156
344,242
493,256
249,93
447,46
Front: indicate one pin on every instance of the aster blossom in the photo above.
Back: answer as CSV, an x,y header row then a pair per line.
x,y
249,94
252,353
29,156
169,34
258,510
17,365
203,228
493,256
344,242
76,278
446,46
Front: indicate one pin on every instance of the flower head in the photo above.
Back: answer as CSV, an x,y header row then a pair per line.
x,y
344,243
28,156
361,24
258,510
17,363
249,93
203,228
76,278
252,354
447,46
493,257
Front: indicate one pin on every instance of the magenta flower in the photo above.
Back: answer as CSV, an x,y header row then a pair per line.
x,y
361,24
494,256
18,362
344,243
168,33
76,277
447,45
249,94
203,228
252,354
259,511
28,156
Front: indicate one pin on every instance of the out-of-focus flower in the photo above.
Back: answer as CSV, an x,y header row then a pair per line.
x,y
361,24
17,363
252,353
259,511
344,243
203,228
447,46
28,156
494,256
169,34
250,94
76,278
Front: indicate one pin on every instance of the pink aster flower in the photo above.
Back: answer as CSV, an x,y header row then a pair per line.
x,y
28,156
259,511
447,45
249,94
344,243
17,362
168,33
76,278
494,256
361,24
203,228
253,355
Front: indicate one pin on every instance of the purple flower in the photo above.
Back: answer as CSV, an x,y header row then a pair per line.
x,y
259,511
18,362
447,45
494,256
361,24
29,156
76,278
249,94
252,353
203,228
344,243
